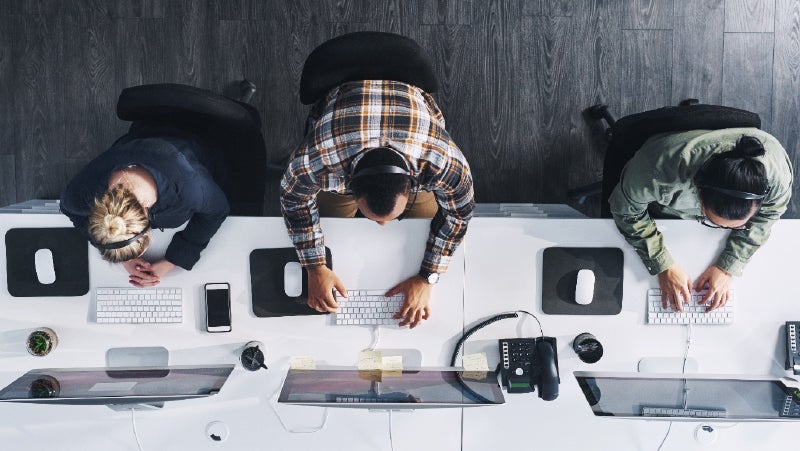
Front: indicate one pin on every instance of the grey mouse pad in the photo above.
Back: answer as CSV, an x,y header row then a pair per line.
x,y
266,281
560,266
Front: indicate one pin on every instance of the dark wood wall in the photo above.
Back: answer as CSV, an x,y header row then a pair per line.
x,y
515,74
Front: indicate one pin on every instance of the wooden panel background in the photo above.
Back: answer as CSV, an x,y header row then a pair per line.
x,y
515,75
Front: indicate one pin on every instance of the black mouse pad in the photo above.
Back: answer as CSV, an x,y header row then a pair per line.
x,y
266,281
560,266
70,261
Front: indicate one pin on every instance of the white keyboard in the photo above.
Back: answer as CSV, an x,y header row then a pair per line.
x,y
684,413
139,305
367,308
693,313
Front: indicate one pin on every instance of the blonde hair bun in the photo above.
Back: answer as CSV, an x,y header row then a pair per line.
x,y
114,225
116,216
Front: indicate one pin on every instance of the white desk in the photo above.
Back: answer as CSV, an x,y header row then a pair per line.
x,y
364,253
502,273
505,275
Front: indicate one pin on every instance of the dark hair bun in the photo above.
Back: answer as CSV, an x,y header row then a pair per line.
x,y
748,146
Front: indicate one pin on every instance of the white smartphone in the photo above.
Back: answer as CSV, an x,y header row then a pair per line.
x,y
218,307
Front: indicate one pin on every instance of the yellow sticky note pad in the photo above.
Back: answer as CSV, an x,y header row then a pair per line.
x,y
370,360
392,363
475,362
475,375
302,362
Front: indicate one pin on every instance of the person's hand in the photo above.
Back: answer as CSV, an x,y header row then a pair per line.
x,y
321,282
719,284
676,287
416,292
146,274
140,273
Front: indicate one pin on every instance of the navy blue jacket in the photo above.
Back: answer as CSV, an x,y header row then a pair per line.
x,y
181,169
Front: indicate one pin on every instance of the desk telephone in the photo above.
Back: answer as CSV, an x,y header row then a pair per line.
x,y
528,362
792,352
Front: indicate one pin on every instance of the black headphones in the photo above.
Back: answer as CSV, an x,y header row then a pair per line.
x,y
385,169
734,193
119,244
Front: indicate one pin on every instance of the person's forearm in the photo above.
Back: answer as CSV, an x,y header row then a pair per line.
x,y
742,244
446,234
641,233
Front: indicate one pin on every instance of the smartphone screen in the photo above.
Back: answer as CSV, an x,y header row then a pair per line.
x,y
218,307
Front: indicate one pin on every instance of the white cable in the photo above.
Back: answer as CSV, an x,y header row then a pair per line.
x,y
274,405
683,371
688,343
391,439
309,430
135,434
376,337
669,428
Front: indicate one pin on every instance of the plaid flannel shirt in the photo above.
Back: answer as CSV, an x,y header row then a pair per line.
x,y
365,114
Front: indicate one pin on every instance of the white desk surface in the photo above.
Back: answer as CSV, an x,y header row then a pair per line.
x,y
365,255
497,269
502,274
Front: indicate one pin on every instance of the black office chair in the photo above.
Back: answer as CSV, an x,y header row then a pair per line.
x,y
628,134
363,55
232,128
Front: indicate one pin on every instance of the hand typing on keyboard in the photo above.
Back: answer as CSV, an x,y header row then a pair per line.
x,y
676,288
321,283
417,294
718,284
693,312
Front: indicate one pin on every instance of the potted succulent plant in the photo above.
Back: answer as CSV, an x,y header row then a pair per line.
x,y
41,341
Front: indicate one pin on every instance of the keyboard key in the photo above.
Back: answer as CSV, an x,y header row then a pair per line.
x,y
367,308
139,306
693,313
684,413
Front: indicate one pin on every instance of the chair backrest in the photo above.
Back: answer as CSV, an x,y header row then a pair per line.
x,y
170,101
365,55
630,132
232,130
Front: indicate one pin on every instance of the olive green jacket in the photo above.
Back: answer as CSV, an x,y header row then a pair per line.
x,y
662,172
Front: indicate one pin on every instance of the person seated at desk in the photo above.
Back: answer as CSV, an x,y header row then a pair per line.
x,y
738,179
153,177
371,146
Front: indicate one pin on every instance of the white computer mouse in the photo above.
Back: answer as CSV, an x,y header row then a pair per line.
x,y
293,279
45,271
584,287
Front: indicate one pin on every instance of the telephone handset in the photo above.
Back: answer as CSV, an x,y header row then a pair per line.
x,y
528,362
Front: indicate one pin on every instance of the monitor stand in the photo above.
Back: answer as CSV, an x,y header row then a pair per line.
x,y
135,357
412,358
666,365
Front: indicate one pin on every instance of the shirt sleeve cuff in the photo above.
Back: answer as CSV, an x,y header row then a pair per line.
x,y
314,256
436,264
659,263
181,254
730,264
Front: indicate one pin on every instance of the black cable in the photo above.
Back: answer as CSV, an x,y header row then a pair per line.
x,y
477,328
485,323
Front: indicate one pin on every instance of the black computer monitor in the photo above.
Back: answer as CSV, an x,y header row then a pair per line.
x,y
114,386
407,389
690,396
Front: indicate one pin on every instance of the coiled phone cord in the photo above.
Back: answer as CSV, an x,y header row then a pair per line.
x,y
483,324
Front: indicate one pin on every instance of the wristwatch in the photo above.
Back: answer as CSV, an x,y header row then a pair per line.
x,y
430,277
